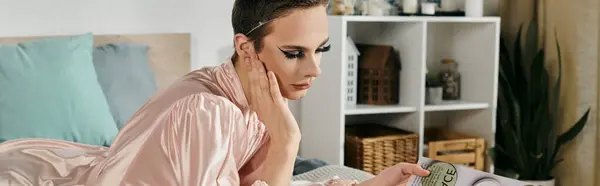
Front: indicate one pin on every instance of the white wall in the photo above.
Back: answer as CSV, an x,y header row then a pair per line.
x,y
210,25
42,17
215,42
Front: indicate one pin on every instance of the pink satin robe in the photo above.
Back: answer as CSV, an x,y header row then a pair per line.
x,y
197,132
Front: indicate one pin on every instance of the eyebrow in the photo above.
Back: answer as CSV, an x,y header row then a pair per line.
x,y
298,47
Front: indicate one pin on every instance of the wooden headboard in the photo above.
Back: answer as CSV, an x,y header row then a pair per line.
x,y
169,54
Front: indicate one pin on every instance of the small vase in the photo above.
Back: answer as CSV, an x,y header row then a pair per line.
x,y
410,6
451,81
541,183
474,8
434,95
428,8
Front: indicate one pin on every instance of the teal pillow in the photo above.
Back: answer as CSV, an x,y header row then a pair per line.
x,y
49,89
126,78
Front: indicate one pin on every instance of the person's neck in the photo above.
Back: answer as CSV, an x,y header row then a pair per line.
x,y
240,69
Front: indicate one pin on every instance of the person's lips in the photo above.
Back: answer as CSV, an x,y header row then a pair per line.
x,y
301,86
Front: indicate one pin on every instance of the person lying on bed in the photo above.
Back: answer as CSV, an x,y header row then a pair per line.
x,y
222,125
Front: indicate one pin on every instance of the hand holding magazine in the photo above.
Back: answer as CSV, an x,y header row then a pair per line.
x,y
447,174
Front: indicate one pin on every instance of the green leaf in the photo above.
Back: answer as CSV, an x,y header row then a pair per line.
x,y
538,77
555,107
517,50
537,156
556,163
519,74
500,150
521,83
511,113
506,62
507,173
540,140
510,103
496,152
537,104
531,43
492,153
537,136
574,130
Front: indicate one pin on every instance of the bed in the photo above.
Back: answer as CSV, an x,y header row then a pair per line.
x,y
125,70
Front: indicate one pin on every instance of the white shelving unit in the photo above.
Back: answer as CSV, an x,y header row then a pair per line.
x,y
361,109
456,105
422,42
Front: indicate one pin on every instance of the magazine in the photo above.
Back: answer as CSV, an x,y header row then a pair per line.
x,y
447,174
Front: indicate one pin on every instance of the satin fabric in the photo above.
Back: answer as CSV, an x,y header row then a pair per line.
x,y
199,131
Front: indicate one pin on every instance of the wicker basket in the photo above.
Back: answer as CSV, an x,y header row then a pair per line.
x,y
373,148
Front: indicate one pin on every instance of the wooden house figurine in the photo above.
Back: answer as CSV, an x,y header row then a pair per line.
x,y
378,75
352,69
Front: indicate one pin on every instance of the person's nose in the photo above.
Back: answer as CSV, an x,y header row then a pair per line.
x,y
312,69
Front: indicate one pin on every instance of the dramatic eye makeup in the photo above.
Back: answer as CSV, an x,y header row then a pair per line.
x,y
299,51
324,48
292,54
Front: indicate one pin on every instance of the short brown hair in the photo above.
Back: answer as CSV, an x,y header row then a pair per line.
x,y
247,15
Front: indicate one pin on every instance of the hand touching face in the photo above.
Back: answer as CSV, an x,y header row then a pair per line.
x,y
266,100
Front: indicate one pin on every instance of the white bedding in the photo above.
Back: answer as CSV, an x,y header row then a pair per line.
x,y
327,172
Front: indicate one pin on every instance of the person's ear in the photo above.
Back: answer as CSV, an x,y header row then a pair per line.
x,y
243,45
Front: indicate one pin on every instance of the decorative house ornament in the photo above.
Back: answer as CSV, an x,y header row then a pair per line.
x,y
378,75
352,76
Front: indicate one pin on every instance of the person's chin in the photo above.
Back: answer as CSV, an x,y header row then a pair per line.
x,y
295,95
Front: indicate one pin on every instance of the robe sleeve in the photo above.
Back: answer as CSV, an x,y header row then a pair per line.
x,y
204,129
192,146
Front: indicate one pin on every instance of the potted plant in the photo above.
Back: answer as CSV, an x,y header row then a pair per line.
x,y
527,142
433,88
